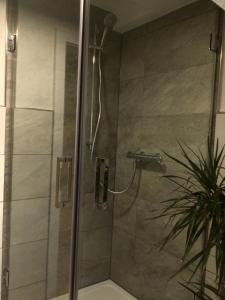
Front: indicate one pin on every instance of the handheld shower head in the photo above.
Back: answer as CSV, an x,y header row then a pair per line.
x,y
109,22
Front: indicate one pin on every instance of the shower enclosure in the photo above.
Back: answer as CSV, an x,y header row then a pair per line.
x,y
83,175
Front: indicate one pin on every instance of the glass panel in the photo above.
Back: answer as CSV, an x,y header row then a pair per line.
x,y
150,82
41,100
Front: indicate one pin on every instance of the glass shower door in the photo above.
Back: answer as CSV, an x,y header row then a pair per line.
x,y
148,87
42,73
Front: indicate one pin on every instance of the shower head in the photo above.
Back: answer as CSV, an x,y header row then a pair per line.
x,y
109,22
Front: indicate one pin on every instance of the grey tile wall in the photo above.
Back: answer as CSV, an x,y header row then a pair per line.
x,y
34,180
34,291
165,95
27,263
32,131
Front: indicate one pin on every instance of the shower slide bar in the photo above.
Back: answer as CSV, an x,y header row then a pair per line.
x,y
143,157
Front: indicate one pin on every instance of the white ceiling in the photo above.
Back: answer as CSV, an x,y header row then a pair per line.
x,y
221,3
133,13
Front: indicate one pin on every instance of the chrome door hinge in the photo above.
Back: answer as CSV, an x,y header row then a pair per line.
x,y
12,43
215,43
5,277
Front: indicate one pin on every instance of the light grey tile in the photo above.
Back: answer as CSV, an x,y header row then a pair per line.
x,y
31,176
35,67
39,92
29,220
35,291
32,132
27,263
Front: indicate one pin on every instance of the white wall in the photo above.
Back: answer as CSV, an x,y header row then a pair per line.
x,y
2,50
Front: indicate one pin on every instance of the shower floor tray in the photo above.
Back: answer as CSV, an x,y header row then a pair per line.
x,y
106,290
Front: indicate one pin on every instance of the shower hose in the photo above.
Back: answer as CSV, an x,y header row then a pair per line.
x,y
97,129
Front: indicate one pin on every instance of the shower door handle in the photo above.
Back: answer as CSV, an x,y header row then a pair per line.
x,y
63,181
101,182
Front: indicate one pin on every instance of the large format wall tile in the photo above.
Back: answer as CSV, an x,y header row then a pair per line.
x,y
178,38
193,10
162,133
28,263
95,255
35,291
158,95
92,218
165,97
29,220
143,270
32,131
34,180
35,68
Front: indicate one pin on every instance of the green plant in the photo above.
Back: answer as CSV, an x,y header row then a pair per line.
x,y
199,209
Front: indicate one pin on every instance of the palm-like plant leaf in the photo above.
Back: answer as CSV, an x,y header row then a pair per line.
x,y
200,204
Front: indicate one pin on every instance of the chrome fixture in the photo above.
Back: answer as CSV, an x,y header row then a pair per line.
x,y
109,22
63,181
12,43
143,157
102,173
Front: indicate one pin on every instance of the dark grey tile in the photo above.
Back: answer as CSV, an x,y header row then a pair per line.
x,y
179,92
133,59
195,9
93,218
162,133
147,269
172,50
92,272
96,244
94,256
124,213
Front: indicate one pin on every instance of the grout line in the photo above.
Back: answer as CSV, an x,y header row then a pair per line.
x,y
24,286
35,109
27,199
24,243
